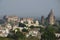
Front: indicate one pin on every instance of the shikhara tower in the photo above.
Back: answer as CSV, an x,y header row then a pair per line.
x,y
51,17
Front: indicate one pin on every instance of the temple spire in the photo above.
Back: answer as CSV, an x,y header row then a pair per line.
x,y
51,17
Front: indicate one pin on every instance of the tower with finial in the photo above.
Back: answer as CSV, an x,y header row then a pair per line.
x,y
51,17
42,19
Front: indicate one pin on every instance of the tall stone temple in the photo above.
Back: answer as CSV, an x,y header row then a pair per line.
x,y
42,19
51,17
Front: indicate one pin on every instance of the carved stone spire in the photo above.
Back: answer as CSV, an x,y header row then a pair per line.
x,y
42,19
51,17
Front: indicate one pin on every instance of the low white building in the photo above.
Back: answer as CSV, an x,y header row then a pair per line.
x,y
57,35
34,32
8,26
15,27
4,32
29,22
12,18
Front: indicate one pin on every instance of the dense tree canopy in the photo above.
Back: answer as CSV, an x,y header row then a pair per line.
x,y
49,34
22,25
32,26
24,30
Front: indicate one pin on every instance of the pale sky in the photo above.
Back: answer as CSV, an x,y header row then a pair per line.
x,y
34,8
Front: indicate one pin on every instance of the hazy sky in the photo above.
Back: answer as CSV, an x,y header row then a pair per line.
x,y
35,8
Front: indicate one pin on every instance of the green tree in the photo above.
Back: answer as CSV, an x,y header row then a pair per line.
x,y
16,35
41,29
5,38
24,30
32,26
22,25
32,38
19,35
49,34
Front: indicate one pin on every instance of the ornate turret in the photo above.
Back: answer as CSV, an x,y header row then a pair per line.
x,y
51,17
42,19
